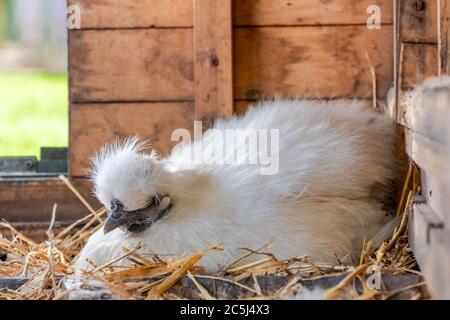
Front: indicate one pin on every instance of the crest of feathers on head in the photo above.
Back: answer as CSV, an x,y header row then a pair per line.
x,y
122,166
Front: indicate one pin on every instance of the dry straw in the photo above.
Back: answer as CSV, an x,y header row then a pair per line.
x,y
149,276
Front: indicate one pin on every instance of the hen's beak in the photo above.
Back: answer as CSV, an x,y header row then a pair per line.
x,y
115,220
139,220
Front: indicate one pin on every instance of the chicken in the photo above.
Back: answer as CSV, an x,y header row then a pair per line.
x,y
321,194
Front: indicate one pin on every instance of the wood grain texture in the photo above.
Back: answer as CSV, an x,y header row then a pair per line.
x,y
444,36
422,222
92,125
213,60
131,65
134,14
431,117
157,65
307,12
179,13
428,144
419,62
419,21
437,265
311,62
32,200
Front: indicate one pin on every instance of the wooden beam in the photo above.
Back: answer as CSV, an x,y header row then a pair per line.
x,y
131,65
92,125
326,62
213,60
444,36
307,12
437,265
423,221
427,121
430,115
113,14
419,62
32,200
160,66
126,14
418,22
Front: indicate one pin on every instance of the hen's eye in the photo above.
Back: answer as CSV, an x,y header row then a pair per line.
x,y
115,205
154,201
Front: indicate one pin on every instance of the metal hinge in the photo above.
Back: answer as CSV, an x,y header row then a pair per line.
x,y
53,162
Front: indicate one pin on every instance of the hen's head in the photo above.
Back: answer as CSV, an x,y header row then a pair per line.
x,y
131,184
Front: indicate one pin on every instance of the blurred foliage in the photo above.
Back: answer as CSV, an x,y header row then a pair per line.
x,y
33,112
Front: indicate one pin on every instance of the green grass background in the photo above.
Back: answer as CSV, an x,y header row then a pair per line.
x,y
33,112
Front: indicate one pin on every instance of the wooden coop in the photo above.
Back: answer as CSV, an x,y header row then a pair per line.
x,y
148,67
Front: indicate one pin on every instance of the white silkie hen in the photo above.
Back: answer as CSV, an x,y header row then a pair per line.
x,y
336,164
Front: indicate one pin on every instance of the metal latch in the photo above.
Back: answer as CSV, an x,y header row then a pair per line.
x,y
53,161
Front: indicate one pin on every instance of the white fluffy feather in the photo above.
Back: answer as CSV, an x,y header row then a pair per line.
x,y
332,156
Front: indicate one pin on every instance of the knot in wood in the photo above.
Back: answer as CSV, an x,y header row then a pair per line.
x,y
215,60
418,5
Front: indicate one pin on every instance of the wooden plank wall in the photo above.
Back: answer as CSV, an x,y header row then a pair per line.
x,y
428,144
133,69
417,42
444,36
31,201
213,60
422,39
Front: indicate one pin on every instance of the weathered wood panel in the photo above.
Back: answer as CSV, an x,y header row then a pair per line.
x,y
179,13
307,12
32,200
434,160
427,118
437,266
423,221
157,65
444,36
311,61
131,65
430,115
134,14
213,60
92,125
419,62
419,21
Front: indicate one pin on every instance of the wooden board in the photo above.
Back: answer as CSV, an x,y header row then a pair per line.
x,y
32,200
109,14
437,266
444,36
134,14
92,125
418,62
428,144
213,61
419,21
434,159
311,62
431,116
303,62
131,65
423,221
307,12
427,134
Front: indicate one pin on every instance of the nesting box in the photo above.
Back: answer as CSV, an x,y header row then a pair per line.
x,y
149,67
152,66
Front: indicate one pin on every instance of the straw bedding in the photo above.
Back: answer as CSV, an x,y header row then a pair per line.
x,y
43,270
